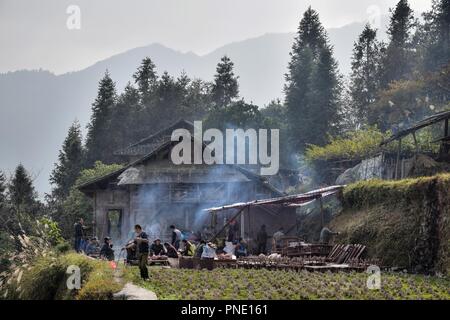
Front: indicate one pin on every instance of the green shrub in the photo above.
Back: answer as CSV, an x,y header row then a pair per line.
x,y
42,281
51,231
46,279
365,143
391,192
6,247
357,145
97,277
63,247
100,284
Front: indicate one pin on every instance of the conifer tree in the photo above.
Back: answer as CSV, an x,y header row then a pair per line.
x,y
2,189
99,144
128,118
398,60
70,161
312,88
197,100
365,76
436,36
146,79
169,100
21,192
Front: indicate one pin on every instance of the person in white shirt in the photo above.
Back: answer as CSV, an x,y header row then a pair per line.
x,y
209,251
176,237
277,236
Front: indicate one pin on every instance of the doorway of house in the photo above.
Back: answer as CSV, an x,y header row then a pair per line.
x,y
114,223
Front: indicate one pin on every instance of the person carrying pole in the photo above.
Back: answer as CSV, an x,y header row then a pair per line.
x,y
141,241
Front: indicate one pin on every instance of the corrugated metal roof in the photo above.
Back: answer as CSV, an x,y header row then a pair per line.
x,y
293,200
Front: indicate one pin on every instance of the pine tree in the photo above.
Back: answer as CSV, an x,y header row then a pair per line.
x,y
365,76
146,78
398,62
182,85
169,100
313,82
225,87
128,118
197,100
21,192
70,161
436,34
2,189
326,87
98,142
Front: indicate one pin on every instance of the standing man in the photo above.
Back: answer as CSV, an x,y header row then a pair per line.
x,y
261,240
176,237
233,230
277,237
79,234
141,241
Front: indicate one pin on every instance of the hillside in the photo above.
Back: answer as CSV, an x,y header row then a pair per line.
x,y
403,223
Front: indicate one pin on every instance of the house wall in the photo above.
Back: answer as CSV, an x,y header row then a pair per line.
x,y
156,207
110,199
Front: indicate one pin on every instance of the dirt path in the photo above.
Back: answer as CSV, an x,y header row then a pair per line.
x,y
131,291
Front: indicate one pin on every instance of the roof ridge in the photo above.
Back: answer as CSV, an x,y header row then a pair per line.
x,y
152,136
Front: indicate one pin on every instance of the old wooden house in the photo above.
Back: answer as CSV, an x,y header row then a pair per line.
x,y
154,192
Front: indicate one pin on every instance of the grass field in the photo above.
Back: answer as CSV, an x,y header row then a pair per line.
x,y
243,284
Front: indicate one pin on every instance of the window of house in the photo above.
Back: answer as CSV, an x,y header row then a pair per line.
x,y
114,223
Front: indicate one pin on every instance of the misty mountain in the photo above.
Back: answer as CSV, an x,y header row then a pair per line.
x,y
37,107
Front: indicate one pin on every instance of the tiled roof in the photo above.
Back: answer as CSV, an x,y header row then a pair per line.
x,y
151,143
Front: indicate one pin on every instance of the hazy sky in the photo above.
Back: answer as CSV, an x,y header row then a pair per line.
x,y
34,34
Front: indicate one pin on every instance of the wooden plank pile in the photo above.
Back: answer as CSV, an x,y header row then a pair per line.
x,y
311,250
344,253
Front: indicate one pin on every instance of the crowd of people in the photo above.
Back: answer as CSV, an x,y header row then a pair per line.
x,y
141,248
